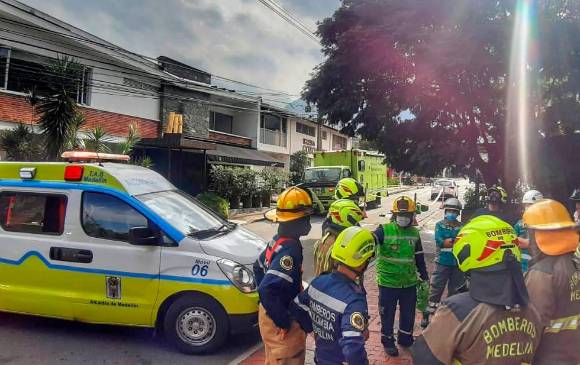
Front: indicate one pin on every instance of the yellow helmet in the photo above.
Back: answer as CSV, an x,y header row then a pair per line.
x,y
348,188
553,227
353,247
404,204
345,213
500,195
294,203
483,242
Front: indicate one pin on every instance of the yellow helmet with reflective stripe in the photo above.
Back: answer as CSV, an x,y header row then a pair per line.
x,y
404,204
292,204
345,213
353,247
483,242
348,188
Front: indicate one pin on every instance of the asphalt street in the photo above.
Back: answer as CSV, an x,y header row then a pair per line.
x,y
29,340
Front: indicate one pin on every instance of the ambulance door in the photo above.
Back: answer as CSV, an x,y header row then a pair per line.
x,y
121,279
31,222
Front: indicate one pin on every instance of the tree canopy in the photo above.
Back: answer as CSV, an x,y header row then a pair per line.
x,y
445,63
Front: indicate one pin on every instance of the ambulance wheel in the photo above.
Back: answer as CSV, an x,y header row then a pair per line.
x,y
195,324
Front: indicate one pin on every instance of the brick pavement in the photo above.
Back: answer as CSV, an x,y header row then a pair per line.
x,y
375,351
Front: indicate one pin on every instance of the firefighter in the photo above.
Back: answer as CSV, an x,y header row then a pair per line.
x,y
399,258
554,281
342,214
347,188
278,271
446,271
497,198
529,198
493,323
334,306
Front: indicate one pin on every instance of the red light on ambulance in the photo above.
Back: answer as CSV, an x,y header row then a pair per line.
x,y
73,173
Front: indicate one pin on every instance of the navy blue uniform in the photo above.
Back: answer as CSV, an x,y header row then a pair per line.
x,y
335,308
281,280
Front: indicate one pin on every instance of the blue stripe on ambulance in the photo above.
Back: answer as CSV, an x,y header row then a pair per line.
x,y
111,272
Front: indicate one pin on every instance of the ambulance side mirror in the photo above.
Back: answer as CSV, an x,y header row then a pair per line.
x,y
143,236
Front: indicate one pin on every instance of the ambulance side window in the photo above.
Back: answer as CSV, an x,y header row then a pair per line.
x,y
107,217
36,213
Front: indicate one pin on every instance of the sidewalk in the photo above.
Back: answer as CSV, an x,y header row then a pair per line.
x,y
375,351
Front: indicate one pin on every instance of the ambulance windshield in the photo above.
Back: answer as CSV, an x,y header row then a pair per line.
x,y
184,212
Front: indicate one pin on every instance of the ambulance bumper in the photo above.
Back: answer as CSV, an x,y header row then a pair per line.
x,y
240,323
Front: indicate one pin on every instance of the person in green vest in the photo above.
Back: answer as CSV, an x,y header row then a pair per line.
x,y
400,267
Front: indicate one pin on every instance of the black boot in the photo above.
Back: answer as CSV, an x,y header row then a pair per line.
x,y
389,345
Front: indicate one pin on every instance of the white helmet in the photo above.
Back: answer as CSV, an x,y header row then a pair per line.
x,y
532,196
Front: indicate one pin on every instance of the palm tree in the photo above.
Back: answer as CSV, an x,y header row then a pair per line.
x,y
58,106
74,142
20,144
98,139
132,138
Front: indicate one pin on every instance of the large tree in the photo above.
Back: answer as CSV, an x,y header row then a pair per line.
x,y
444,63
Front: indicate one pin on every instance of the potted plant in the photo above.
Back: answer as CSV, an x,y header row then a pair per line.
x,y
273,181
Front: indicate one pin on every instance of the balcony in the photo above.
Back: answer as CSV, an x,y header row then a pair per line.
x,y
218,136
273,137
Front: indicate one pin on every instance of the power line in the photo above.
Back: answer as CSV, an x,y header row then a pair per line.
x,y
130,73
115,48
290,19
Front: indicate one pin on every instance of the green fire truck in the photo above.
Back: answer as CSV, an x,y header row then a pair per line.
x,y
366,167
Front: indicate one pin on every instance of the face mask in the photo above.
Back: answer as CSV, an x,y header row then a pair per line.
x,y
451,216
403,221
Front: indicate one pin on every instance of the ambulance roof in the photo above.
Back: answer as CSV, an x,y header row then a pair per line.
x,y
134,180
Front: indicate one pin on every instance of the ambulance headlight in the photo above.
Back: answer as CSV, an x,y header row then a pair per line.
x,y
239,275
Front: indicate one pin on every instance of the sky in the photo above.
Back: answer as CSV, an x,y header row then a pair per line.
x,y
238,39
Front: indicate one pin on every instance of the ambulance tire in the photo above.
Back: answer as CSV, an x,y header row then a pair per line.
x,y
195,324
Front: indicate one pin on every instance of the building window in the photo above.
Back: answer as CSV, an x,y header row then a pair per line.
x,y
22,71
32,212
324,135
109,218
305,129
221,122
273,130
338,142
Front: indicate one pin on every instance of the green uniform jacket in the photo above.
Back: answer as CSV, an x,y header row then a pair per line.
x,y
399,256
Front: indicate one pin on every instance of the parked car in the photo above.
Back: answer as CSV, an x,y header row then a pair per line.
x,y
449,188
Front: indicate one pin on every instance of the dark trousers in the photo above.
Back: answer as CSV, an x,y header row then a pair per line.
x,y
445,275
406,298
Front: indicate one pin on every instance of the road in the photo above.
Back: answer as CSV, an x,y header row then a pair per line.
x,y
33,340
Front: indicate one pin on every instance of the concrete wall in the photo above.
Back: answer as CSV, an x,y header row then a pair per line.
x,y
297,140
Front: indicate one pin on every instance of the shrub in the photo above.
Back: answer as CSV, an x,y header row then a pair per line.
x,y
272,180
472,200
298,163
215,203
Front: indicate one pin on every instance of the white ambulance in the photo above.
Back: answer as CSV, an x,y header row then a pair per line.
x,y
118,244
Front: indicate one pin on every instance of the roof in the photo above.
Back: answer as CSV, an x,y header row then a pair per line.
x,y
181,64
242,156
134,180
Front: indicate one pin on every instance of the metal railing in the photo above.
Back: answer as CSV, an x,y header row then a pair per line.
x,y
271,137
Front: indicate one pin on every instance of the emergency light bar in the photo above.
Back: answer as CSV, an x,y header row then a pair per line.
x,y
27,173
87,156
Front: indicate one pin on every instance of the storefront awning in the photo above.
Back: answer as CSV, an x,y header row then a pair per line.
x,y
241,156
